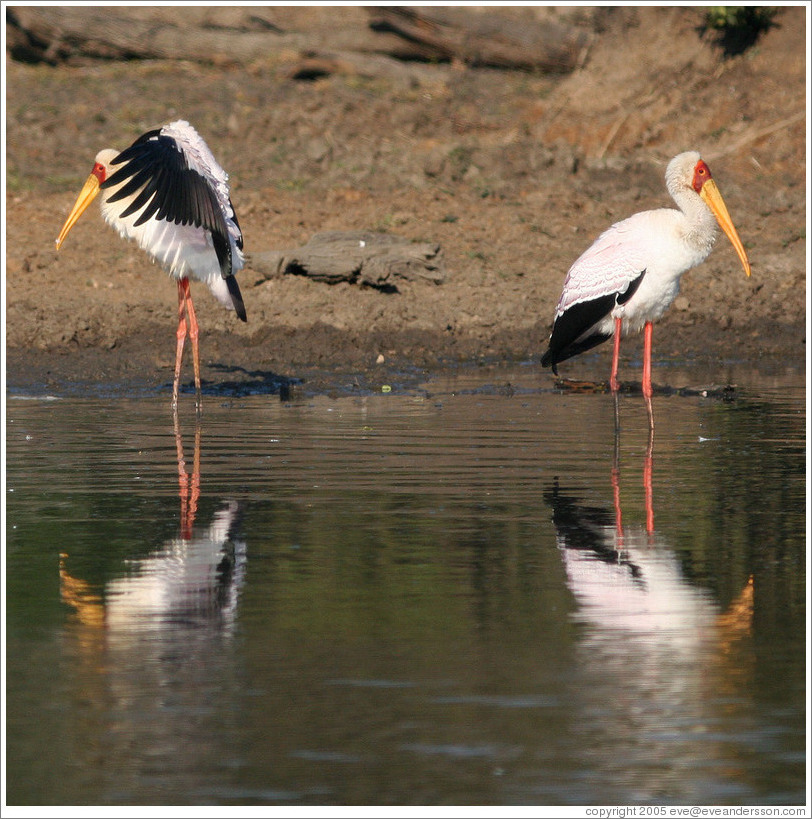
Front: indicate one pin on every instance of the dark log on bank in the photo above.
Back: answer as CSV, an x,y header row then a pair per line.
x,y
360,257
209,35
241,36
485,38
60,33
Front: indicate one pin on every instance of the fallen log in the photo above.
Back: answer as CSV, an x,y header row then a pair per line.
x,y
63,33
209,35
235,36
359,257
482,39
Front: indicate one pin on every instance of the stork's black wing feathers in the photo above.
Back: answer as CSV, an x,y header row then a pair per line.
x,y
172,194
147,192
222,248
568,339
139,178
236,222
157,183
622,298
155,168
572,324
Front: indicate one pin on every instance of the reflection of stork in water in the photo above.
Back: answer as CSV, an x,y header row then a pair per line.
x,y
196,575
626,578
610,565
660,662
155,650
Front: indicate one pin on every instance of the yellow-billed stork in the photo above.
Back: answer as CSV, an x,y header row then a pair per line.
x,y
628,278
168,192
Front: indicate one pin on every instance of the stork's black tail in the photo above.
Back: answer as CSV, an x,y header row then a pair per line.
x,y
236,296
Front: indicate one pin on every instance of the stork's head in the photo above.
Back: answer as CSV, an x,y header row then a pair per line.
x,y
689,173
101,169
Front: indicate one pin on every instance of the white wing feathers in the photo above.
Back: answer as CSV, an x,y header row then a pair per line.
x,y
607,267
200,158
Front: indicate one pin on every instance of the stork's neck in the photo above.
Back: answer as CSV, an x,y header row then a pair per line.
x,y
699,224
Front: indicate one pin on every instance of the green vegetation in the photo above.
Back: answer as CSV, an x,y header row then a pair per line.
x,y
725,18
738,27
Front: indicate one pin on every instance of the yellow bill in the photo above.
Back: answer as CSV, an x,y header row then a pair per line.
x,y
86,196
713,199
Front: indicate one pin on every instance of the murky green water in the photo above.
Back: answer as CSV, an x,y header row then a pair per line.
x,y
470,593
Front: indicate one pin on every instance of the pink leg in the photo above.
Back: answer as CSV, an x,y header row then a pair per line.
x,y
181,335
647,336
613,385
193,335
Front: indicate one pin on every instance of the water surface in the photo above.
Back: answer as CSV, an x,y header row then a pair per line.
x,y
478,590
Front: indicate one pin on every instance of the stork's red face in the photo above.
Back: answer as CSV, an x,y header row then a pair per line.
x,y
86,196
704,185
701,175
99,171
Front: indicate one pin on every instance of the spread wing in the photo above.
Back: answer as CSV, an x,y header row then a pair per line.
x,y
156,171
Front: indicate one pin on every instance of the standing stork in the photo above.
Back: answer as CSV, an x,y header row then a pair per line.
x,y
168,193
631,274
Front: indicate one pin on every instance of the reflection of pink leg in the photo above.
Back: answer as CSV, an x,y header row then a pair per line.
x,y
194,494
616,476
181,334
189,491
618,512
647,474
650,413
613,385
648,333
183,483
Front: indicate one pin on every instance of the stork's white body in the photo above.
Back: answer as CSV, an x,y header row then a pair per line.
x,y
184,251
664,243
